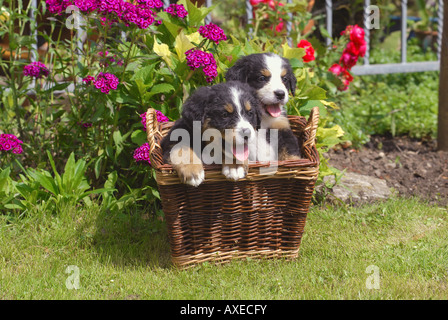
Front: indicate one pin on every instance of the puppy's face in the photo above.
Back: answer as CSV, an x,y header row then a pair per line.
x,y
234,112
272,78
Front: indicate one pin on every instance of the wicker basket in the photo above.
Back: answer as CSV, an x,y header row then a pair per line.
x,y
258,216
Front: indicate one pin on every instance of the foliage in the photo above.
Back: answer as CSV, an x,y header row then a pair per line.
x,y
90,101
396,104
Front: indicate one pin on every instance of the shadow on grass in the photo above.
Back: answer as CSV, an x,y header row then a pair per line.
x,y
132,239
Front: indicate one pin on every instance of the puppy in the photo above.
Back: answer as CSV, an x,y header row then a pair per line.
x,y
272,78
217,126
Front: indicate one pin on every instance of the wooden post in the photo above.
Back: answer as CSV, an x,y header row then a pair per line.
x,y
442,133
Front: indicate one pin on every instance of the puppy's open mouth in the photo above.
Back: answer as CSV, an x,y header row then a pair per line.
x,y
275,110
241,151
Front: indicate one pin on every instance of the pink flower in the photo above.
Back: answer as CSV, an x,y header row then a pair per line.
x,y
199,59
357,34
9,142
280,26
106,82
141,154
348,60
309,50
160,118
212,32
177,10
88,79
36,69
336,69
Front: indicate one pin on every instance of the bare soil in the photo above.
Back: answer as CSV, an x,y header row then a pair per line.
x,y
412,167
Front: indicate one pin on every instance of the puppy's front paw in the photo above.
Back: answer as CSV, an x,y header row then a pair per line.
x,y
234,172
191,174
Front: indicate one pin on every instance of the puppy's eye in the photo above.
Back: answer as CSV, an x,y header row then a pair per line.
x,y
262,78
284,79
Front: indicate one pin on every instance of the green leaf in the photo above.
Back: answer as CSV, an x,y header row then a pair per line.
x,y
305,109
69,172
139,137
45,181
162,88
57,176
195,15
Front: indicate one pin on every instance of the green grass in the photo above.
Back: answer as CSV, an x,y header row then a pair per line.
x,y
126,256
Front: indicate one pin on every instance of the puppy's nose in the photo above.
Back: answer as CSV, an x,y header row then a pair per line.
x,y
245,132
280,94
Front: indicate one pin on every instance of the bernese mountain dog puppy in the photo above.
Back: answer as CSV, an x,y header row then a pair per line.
x,y
217,126
272,78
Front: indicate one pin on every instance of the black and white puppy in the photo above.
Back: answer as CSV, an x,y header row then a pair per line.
x,y
272,78
217,126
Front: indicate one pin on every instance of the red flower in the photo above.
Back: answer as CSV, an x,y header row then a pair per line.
x,y
357,34
280,26
256,2
309,50
347,78
336,69
348,60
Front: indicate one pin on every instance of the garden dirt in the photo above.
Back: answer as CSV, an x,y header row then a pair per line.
x,y
411,167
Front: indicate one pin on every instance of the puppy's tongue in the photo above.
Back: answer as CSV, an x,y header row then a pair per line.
x,y
274,110
241,153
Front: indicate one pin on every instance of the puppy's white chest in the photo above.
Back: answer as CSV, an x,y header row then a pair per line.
x,y
265,150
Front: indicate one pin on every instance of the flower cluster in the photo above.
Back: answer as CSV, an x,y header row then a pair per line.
x,y
139,13
104,81
309,50
177,10
36,69
356,47
271,3
212,32
9,142
142,152
200,59
160,118
85,125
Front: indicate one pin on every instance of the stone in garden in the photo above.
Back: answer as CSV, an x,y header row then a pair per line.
x,y
356,187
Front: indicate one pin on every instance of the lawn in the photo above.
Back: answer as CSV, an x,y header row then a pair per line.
x,y
400,244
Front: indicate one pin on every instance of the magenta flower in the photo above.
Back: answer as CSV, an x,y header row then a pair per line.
x,y
88,79
9,142
104,82
139,12
160,118
142,153
36,69
212,32
177,10
199,59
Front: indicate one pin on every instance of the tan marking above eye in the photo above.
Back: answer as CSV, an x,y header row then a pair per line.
x,y
247,106
284,72
266,72
229,108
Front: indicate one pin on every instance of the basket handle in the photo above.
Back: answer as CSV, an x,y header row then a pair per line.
x,y
311,126
152,128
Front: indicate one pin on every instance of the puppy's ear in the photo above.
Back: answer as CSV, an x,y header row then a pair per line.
x,y
238,72
194,108
292,82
